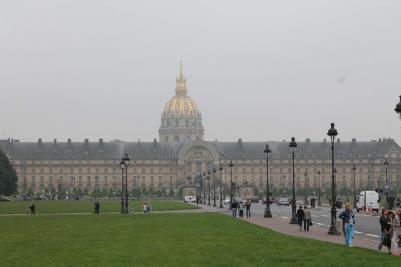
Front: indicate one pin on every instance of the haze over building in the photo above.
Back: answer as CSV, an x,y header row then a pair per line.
x,y
181,156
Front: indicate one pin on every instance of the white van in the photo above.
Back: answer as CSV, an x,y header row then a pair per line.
x,y
190,199
371,201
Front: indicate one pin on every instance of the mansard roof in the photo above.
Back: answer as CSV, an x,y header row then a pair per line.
x,y
163,151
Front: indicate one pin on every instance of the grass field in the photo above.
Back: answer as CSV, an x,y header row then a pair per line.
x,y
165,240
85,206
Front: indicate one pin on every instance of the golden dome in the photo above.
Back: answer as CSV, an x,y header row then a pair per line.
x,y
181,104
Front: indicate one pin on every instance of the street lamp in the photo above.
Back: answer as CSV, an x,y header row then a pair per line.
x,y
398,108
204,188
221,186
386,163
231,165
319,202
293,147
268,213
354,170
208,188
214,187
122,166
306,191
332,132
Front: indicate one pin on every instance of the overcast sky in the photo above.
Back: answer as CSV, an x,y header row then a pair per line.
x,y
259,70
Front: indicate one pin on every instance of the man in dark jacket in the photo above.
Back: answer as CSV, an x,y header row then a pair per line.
x,y
383,222
300,217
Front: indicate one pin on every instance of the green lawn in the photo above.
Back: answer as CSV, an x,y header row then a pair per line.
x,y
84,206
165,240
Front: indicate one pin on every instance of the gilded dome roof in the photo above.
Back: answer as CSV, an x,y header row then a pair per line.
x,y
181,104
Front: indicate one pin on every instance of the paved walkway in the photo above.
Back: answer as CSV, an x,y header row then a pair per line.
x,y
282,225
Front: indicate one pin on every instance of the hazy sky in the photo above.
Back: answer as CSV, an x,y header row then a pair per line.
x,y
259,70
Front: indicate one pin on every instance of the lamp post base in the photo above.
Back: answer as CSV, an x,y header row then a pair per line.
x,y
268,213
333,230
293,220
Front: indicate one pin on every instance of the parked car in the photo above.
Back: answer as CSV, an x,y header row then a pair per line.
x,y
271,200
4,198
226,200
254,200
189,199
283,201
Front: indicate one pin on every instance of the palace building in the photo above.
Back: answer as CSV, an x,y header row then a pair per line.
x,y
175,160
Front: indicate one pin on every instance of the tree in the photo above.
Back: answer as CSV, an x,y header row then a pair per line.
x,y
8,176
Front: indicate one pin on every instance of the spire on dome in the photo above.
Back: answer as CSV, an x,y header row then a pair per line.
x,y
181,88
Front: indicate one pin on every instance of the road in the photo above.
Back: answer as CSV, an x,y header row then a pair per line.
x,y
367,226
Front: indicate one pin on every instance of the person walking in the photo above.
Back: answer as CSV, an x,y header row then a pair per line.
x,y
234,208
397,227
307,218
145,208
300,217
248,209
388,231
348,218
241,209
382,221
33,209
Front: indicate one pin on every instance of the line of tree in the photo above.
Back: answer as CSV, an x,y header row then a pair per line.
x,y
8,176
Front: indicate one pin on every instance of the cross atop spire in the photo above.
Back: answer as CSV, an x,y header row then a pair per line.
x,y
181,88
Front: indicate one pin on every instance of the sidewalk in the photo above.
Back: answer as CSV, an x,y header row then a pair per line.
x,y
283,226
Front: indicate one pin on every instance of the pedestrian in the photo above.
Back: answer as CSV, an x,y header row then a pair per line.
x,y
234,208
149,207
144,208
388,231
397,227
96,207
382,221
348,218
300,217
33,209
307,218
197,200
248,209
241,209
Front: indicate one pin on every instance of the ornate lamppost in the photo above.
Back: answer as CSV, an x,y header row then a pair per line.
x,y
221,186
208,186
293,147
231,165
387,187
319,201
124,164
306,186
204,188
332,133
354,185
268,213
214,187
